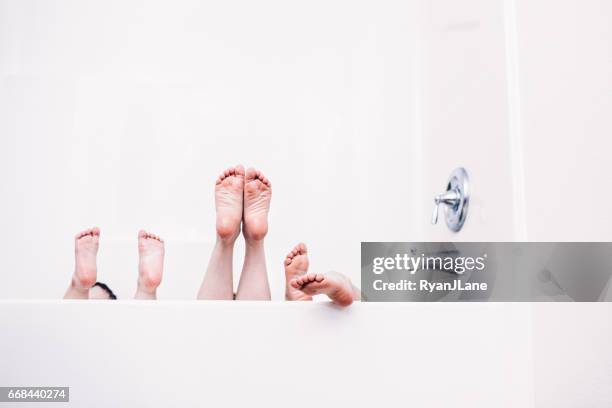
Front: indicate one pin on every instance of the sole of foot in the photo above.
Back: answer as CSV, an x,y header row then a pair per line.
x,y
85,252
335,285
257,196
151,260
229,197
296,265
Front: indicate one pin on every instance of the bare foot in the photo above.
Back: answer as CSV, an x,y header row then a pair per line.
x,y
257,195
85,251
151,264
228,202
296,264
333,284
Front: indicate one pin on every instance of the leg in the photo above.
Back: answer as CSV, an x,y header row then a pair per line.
x,y
296,264
85,271
253,283
150,266
218,283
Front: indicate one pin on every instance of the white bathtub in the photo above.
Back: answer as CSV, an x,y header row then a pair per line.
x,y
277,354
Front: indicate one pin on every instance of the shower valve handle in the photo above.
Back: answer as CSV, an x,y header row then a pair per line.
x,y
456,200
452,198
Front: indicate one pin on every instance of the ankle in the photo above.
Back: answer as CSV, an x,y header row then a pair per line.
x,y
146,287
81,284
148,283
144,293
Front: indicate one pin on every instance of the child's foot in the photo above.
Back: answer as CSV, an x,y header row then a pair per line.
x,y
151,264
85,251
228,202
257,195
296,264
333,284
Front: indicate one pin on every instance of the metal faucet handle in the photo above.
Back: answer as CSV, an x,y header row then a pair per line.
x,y
451,198
456,199
434,217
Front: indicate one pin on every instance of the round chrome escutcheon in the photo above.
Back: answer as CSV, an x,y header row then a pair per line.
x,y
456,214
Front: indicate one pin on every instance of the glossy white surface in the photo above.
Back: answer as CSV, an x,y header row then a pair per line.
x,y
130,353
271,354
571,351
566,93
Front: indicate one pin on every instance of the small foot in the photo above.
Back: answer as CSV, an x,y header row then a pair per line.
x,y
228,202
333,284
85,250
257,196
296,265
151,264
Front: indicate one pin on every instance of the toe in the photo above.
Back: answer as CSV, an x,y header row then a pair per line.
x,y
319,277
239,169
142,234
250,174
85,233
95,231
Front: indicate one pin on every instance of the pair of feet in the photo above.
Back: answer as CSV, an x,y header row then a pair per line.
x,y
150,266
303,285
242,198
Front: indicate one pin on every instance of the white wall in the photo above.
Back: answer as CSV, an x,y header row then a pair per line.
x,y
565,71
520,94
465,116
122,115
